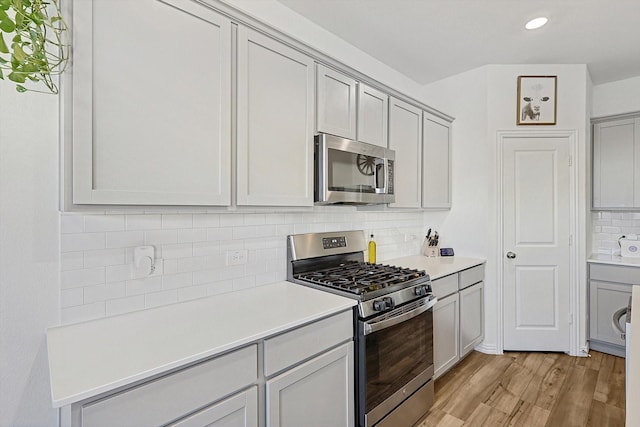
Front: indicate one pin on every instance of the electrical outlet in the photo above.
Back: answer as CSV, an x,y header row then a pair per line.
x,y
237,257
409,237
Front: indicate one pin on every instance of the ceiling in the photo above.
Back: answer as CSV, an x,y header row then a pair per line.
x,y
428,40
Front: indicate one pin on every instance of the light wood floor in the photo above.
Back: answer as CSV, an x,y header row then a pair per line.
x,y
530,389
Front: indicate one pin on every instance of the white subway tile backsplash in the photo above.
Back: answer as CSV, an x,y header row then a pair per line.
x,y
104,257
608,227
177,221
206,221
219,234
71,261
104,292
173,281
144,286
124,305
160,237
119,273
71,223
177,251
80,278
143,222
71,297
82,242
192,292
83,312
123,239
98,223
192,235
156,299
191,249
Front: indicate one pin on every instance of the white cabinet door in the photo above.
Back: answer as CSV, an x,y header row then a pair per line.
x,y
471,317
318,393
616,164
240,410
446,330
436,163
373,115
605,299
336,98
151,120
405,137
275,122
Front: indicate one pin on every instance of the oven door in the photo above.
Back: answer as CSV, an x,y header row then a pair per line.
x,y
395,353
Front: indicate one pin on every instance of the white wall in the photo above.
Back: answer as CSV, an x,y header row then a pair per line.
x,y
618,97
29,253
484,102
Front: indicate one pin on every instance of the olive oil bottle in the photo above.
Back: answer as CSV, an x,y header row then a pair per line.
x,y
372,250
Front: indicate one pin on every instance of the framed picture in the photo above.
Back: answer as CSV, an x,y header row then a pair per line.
x,y
537,100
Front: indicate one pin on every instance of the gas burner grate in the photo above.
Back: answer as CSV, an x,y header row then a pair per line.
x,y
360,277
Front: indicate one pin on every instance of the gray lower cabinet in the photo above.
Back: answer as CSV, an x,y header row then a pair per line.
x,y
268,382
240,410
317,393
171,397
471,317
458,317
609,291
446,330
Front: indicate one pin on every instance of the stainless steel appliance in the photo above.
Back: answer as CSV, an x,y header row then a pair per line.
x,y
394,323
352,172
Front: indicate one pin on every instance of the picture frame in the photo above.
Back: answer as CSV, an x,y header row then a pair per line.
x,y
537,100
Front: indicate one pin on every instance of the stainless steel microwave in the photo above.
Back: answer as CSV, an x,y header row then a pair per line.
x,y
352,172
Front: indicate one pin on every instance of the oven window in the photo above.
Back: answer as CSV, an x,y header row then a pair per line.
x,y
396,355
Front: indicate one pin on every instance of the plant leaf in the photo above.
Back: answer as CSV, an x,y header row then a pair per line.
x,y
16,77
21,88
18,53
7,25
3,45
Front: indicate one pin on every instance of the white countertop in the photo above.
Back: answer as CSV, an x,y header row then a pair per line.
x,y
614,260
97,356
436,267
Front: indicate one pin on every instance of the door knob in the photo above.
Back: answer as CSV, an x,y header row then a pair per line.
x,y
511,255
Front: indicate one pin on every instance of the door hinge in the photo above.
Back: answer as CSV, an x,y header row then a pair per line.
x,y
571,318
570,160
570,239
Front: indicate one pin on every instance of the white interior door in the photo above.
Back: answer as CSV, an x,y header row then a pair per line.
x,y
536,243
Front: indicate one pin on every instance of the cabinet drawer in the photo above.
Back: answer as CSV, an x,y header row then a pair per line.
x,y
615,273
300,344
167,398
471,275
445,285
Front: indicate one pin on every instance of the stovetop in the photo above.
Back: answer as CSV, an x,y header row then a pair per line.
x,y
360,278
334,262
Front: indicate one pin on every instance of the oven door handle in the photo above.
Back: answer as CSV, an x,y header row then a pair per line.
x,y
370,328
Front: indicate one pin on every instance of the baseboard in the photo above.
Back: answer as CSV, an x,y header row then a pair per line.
x,y
487,348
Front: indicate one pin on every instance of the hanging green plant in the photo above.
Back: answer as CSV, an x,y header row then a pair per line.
x,y
32,43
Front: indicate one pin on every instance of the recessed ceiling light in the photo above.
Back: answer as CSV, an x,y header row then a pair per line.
x,y
536,23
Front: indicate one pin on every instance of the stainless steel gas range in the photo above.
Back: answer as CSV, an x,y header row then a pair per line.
x,y
394,323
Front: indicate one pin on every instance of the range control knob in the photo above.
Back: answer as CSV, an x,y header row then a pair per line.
x,y
383,304
420,290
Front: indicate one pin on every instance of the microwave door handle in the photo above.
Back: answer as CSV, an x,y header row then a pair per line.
x,y
385,170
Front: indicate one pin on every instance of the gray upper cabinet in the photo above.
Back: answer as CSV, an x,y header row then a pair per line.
x,y
436,163
373,115
276,88
405,137
144,130
616,164
337,103
351,109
